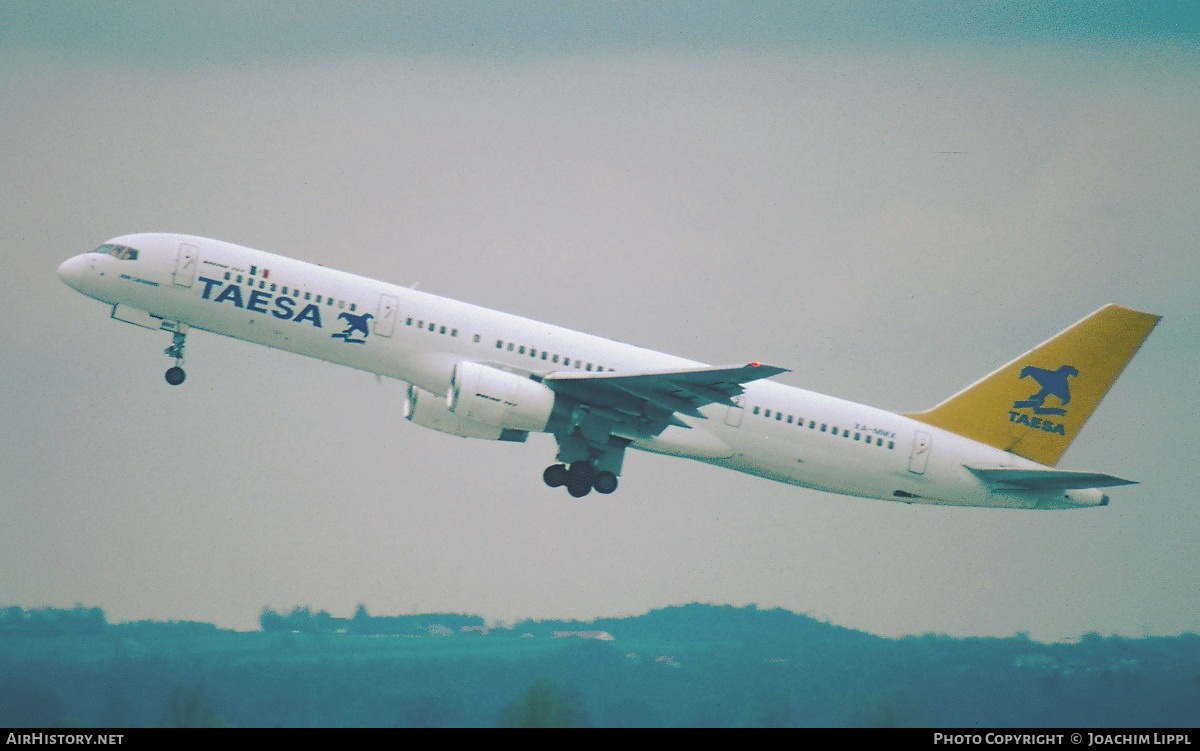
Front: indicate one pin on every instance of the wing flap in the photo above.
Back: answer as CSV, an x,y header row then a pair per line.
x,y
1013,478
668,401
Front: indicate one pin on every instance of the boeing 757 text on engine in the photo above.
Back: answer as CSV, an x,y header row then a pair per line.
x,y
480,373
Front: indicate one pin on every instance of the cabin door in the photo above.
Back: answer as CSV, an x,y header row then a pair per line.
x,y
733,417
917,462
385,320
185,265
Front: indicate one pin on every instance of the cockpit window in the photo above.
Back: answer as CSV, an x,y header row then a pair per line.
x,y
119,252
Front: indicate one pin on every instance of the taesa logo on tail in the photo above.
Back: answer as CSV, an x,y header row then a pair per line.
x,y
1053,383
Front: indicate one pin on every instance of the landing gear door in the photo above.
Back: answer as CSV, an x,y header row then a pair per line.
x,y
185,265
922,443
385,319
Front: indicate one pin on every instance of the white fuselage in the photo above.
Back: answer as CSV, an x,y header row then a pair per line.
x,y
778,431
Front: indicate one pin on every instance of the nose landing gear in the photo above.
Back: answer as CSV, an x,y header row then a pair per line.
x,y
176,374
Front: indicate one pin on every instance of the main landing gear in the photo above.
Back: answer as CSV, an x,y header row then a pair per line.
x,y
176,374
580,478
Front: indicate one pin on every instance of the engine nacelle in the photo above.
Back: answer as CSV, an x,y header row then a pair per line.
x,y
429,411
496,397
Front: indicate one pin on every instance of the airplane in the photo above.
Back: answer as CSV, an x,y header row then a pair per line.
x,y
480,373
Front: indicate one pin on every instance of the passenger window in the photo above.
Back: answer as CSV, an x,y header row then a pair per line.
x,y
341,304
453,332
779,416
521,350
532,352
239,279
499,344
589,366
544,354
891,444
767,413
554,359
510,347
272,287
284,291
567,361
755,410
823,426
228,276
442,330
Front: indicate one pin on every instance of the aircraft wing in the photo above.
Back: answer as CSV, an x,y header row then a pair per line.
x,y
1012,478
614,409
656,396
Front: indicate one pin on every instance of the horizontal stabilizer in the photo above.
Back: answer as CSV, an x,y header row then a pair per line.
x,y
1012,478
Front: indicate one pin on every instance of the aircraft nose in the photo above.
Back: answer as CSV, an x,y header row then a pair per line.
x,y
71,271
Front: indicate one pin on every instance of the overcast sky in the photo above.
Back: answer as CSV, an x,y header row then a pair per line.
x,y
890,199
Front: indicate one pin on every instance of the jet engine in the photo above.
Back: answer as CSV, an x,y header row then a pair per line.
x,y
491,396
430,411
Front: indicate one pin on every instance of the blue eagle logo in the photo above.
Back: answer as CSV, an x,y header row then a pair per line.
x,y
1052,383
354,324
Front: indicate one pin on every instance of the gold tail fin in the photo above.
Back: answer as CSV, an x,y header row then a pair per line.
x,y
1035,405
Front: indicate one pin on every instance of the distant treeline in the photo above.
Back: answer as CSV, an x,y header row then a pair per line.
x,y
304,620
52,621
683,666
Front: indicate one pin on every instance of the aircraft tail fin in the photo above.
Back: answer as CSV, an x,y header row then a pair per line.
x,y
1036,405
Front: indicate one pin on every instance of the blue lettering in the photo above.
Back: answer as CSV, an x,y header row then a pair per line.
x,y
310,313
283,308
232,292
1038,422
258,301
208,285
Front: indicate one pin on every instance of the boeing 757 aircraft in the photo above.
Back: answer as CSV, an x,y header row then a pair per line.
x,y
480,373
